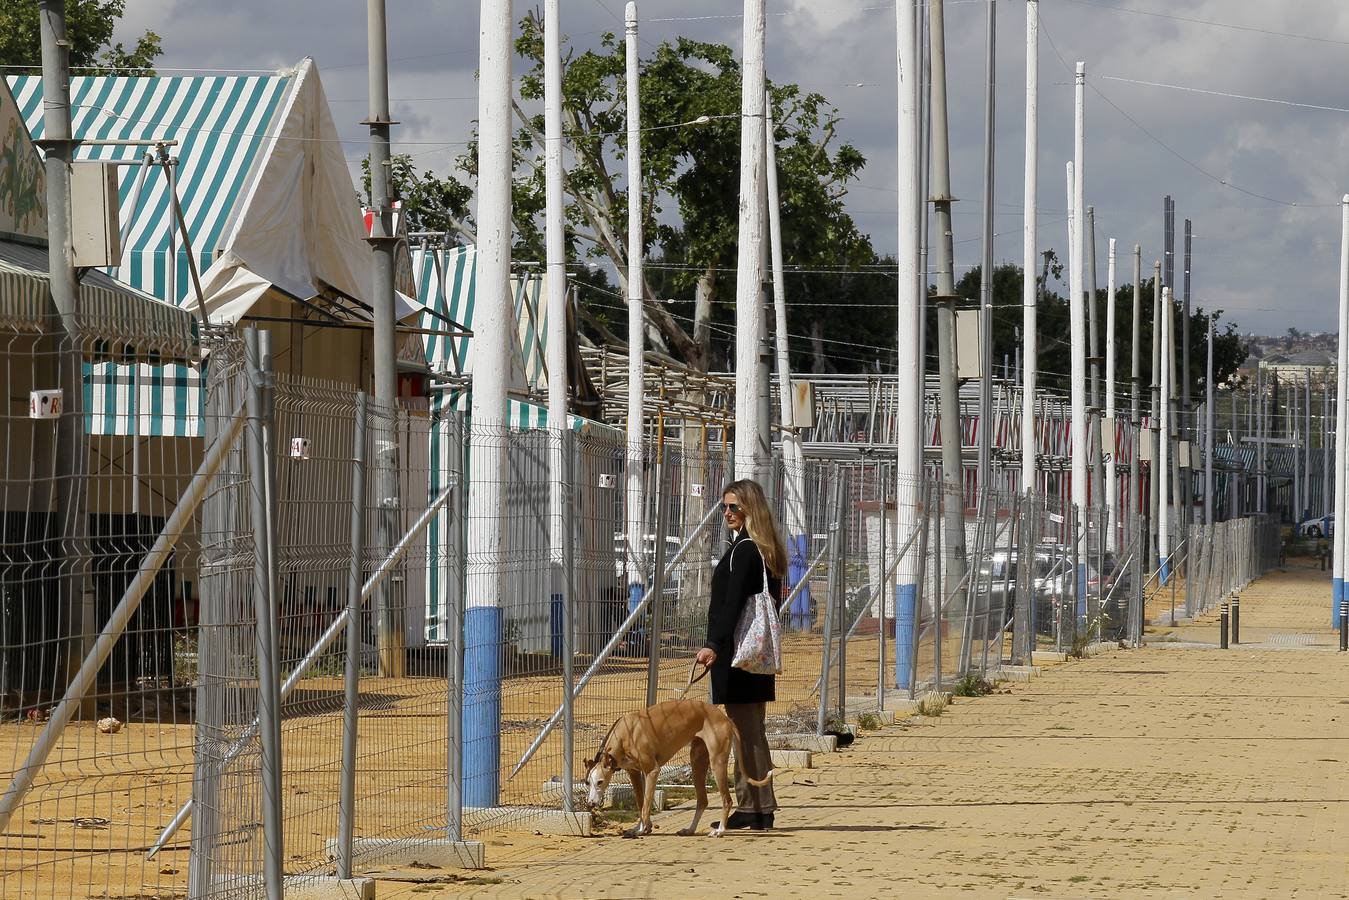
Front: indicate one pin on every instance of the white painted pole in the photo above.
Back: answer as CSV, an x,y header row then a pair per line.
x,y
793,462
493,332
561,601
1078,335
555,282
1029,259
751,458
1210,423
1111,472
1341,417
909,411
634,485
1164,445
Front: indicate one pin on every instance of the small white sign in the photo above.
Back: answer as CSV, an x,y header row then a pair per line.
x,y
1056,518
299,448
607,481
45,404
696,490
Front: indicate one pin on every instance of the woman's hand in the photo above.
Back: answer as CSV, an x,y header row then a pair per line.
x,y
707,656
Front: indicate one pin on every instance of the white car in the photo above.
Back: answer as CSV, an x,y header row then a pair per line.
x,y
1319,527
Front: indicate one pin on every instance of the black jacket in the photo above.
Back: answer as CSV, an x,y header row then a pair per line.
x,y
738,576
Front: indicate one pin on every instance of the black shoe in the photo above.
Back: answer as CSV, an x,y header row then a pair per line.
x,y
741,819
763,821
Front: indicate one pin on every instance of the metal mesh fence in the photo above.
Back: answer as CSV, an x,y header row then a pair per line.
x,y
346,651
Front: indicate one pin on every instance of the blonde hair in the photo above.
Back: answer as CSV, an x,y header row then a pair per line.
x,y
760,523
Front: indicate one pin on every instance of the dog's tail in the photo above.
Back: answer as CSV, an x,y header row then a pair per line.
x,y
735,740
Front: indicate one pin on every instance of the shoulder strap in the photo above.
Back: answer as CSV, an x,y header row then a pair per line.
x,y
744,540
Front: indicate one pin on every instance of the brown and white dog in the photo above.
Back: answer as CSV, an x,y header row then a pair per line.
x,y
642,741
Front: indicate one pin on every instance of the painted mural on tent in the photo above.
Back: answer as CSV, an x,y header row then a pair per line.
x,y
23,185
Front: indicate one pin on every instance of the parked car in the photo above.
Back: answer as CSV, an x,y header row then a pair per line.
x,y
1051,577
1318,527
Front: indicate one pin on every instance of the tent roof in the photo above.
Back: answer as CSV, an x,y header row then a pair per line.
x,y
108,310
266,194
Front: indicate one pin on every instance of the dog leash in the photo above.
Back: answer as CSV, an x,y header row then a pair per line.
x,y
693,679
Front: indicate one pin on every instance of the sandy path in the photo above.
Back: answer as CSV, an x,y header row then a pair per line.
x,y
1171,771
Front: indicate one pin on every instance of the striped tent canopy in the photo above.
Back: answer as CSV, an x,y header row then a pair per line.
x,y
446,285
109,312
221,124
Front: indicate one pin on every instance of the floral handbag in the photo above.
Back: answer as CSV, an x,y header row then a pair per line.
x,y
758,634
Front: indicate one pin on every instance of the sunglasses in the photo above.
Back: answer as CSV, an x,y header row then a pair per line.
x,y
733,507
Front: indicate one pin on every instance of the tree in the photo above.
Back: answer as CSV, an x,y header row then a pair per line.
x,y
690,94
89,27
1052,317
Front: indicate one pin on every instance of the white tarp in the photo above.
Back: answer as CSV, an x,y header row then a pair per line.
x,y
299,228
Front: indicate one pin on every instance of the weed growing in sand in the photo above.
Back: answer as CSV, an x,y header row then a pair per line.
x,y
869,722
932,705
972,686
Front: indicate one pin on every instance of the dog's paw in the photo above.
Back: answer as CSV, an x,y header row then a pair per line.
x,y
716,832
686,832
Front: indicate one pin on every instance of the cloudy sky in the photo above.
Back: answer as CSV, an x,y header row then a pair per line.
x,y
1243,119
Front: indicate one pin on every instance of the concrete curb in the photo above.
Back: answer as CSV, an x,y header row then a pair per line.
x,y
792,759
532,820
814,743
441,854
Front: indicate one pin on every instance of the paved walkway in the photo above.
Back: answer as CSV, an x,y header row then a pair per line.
x,y
1172,771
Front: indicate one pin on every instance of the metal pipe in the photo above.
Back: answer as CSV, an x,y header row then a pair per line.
x,y
835,577
265,648
346,821
953,466
1077,323
1029,292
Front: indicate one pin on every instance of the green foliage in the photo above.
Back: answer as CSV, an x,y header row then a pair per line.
x,y
690,175
429,202
89,28
1229,349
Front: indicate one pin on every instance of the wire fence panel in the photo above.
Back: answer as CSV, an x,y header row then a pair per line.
x,y
331,661
78,522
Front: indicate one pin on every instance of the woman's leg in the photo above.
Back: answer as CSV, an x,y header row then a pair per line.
x,y
749,721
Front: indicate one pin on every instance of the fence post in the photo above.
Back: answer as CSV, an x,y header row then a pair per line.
x,y
1079,606
910,666
269,685
841,597
1140,569
454,633
938,593
658,580
827,642
352,676
881,593
568,586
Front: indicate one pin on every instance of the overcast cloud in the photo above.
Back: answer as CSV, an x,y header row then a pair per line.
x,y
1260,180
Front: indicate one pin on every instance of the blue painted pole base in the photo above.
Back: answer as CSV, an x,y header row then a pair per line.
x,y
798,546
482,706
1336,595
1166,573
1082,591
555,625
906,607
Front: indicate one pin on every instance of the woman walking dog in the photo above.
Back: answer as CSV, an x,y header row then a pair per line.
x,y
756,549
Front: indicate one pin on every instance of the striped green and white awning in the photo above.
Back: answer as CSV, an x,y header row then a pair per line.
x,y
109,312
446,283
221,125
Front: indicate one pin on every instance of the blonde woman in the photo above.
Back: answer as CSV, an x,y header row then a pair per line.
x,y
756,548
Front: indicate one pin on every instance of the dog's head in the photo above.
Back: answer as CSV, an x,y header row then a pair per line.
x,y
601,769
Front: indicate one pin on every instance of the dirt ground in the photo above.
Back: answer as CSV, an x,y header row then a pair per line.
x,y
103,799
1175,770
